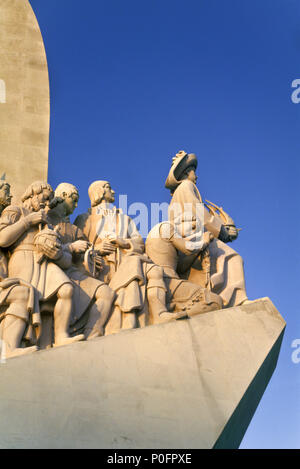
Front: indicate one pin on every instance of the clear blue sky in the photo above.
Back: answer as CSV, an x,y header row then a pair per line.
x,y
132,82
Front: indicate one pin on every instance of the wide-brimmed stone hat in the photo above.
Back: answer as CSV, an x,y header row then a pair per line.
x,y
181,162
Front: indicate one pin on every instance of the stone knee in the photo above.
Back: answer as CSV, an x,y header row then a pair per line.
x,y
105,293
156,291
19,294
65,292
17,303
155,280
155,275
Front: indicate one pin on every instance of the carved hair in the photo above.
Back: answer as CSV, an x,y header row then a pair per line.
x,y
35,188
65,188
96,192
4,183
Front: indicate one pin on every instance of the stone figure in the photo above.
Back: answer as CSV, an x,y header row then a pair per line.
x,y
92,298
18,301
221,262
163,245
37,256
129,272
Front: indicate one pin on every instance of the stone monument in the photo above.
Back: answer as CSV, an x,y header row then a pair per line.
x,y
24,97
108,341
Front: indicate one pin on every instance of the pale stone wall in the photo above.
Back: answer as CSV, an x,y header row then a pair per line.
x,y
24,97
185,384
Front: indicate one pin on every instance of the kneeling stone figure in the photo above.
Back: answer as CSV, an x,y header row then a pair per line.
x,y
163,245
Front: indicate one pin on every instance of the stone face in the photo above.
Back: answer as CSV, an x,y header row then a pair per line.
x,y
24,97
192,383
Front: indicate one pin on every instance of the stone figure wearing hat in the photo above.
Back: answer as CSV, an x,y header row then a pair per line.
x,y
226,271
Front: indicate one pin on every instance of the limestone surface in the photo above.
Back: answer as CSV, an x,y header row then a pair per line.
x,y
24,97
191,383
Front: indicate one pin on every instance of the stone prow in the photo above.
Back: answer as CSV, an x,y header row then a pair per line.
x,y
191,383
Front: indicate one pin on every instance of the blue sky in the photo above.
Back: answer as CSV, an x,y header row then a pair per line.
x,y
133,82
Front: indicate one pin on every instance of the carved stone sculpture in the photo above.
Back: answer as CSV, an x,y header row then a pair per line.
x,y
163,245
130,273
20,229
223,264
18,300
92,298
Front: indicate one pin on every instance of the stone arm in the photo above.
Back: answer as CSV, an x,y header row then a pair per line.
x,y
212,224
187,197
168,232
187,247
11,226
65,258
185,262
78,245
83,224
131,243
134,240
3,266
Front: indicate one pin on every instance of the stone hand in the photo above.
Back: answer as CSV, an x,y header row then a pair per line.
x,y
99,262
122,243
35,218
107,247
79,246
52,252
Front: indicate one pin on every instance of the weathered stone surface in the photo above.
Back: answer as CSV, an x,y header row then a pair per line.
x,y
24,97
193,383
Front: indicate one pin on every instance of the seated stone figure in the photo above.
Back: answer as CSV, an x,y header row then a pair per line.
x,y
163,245
37,256
223,265
129,272
92,298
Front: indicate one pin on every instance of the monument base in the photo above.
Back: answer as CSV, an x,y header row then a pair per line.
x,y
191,383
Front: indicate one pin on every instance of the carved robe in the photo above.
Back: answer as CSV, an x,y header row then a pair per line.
x,y
32,313
126,269
46,277
85,286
